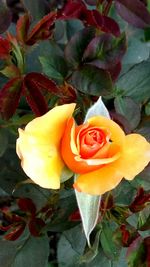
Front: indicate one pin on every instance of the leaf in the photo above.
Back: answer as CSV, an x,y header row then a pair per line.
x,y
107,242
43,29
5,48
22,28
70,247
72,9
36,9
103,23
130,109
35,85
137,51
89,211
9,97
43,83
5,16
105,51
97,109
134,82
34,97
77,45
3,141
92,80
27,205
54,67
28,253
134,12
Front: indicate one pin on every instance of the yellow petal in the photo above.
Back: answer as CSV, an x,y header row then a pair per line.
x,y
100,181
38,146
135,157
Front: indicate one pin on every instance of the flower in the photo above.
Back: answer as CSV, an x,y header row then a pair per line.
x,y
101,154
38,146
98,151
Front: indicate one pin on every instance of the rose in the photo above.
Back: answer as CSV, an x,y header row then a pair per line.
x,y
101,154
98,151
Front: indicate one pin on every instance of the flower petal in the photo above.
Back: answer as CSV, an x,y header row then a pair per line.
x,y
135,157
38,146
100,181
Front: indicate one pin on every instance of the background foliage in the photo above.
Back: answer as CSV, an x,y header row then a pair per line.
x,y
56,52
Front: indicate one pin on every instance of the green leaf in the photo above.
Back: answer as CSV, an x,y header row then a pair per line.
x,y
107,242
77,45
70,247
25,251
137,51
36,9
134,82
92,81
54,67
129,109
73,26
34,252
3,141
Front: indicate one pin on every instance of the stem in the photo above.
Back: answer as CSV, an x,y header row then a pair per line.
x,y
107,8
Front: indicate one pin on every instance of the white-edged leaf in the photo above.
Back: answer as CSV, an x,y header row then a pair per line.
x,y
89,211
89,204
97,109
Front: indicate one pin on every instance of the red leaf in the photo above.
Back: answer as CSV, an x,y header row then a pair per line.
x,y
10,96
43,29
34,97
147,246
5,48
134,12
78,10
125,234
75,216
140,201
22,28
43,83
103,23
15,233
27,205
34,83
72,9
115,71
35,226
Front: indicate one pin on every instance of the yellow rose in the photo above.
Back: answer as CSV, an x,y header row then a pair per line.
x,y
98,151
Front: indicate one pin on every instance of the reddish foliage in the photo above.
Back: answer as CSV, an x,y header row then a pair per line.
x,y
35,226
43,29
140,201
16,232
22,28
27,205
75,216
5,48
9,97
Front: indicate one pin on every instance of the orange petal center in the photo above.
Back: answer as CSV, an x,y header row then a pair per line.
x,y
91,140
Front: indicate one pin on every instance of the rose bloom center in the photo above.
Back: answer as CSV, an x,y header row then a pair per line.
x,y
91,140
